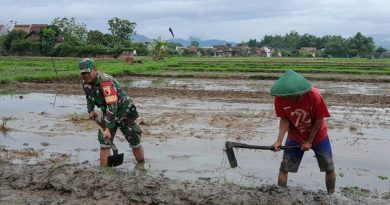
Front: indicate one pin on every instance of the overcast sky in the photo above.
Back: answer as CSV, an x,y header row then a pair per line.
x,y
231,20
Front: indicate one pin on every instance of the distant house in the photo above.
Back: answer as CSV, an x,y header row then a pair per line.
x,y
180,49
218,50
3,29
22,27
312,51
385,54
242,50
224,51
267,52
32,30
262,52
192,49
35,29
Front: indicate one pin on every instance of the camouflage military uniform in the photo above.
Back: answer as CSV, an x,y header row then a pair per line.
x,y
117,107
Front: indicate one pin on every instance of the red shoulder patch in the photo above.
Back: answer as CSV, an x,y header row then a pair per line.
x,y
109,92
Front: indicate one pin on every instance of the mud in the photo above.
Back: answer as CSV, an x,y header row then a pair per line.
x,y
50,156
78,184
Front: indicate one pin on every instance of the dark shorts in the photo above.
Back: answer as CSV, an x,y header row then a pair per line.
x,y
292,157
130,130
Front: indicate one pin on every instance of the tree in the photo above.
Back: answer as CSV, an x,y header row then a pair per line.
x,y
48,38
276,42
292,40
25,47
360,46
195,43
96,37
334,46
13,38
159,49
2,49
122,28
252,43
308,40
379,51
70,29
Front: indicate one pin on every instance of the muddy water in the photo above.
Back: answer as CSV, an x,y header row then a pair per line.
x,y
256,85
184,139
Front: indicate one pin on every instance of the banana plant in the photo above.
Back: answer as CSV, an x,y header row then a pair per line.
x,y
159,49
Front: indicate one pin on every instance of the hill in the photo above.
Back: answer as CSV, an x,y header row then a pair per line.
x,y
185,42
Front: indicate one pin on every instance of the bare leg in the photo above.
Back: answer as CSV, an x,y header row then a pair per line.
x,y
282,180
139,154
104,153
330,178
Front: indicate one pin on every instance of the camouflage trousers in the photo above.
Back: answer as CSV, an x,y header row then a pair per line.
x,y
130,130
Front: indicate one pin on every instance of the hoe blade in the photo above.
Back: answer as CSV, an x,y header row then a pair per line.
x,y
230,155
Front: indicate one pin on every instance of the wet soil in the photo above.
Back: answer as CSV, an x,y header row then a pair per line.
x,y
79,184
48,158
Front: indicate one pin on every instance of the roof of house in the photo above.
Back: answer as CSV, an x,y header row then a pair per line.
x,y
22,27
28,28
37,27
3,29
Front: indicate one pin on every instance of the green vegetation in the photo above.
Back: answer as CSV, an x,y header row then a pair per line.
x,y
355,190
65,37
247,187
75,117
291,44
4,129
383,177
109,171
41,69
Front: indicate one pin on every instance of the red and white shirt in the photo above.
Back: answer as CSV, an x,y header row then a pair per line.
x,y
302,114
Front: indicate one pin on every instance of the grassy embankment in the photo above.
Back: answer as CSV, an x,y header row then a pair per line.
x,y
44,69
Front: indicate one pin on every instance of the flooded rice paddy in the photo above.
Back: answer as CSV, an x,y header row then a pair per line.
x,y
184,138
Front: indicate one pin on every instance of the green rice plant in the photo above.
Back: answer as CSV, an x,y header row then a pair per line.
x,y
383,177
109,171
41,69
75,117
4,129
355,191
247,187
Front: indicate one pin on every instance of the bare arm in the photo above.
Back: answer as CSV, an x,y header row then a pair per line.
x,y
313,133
283,127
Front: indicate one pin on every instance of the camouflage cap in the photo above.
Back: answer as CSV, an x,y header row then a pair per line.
x,y
290,84
86,65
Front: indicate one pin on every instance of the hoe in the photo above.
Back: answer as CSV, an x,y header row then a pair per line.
x,y
230,152
116,159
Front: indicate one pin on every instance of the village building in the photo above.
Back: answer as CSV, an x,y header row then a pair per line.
x,y
3,30
308,51
32,30
262,52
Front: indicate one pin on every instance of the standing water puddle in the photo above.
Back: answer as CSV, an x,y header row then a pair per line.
x,y
184,139
362,88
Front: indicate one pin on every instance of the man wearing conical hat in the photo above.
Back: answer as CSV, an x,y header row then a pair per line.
x,y
302,111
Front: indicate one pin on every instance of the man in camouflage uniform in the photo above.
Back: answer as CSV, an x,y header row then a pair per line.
x,y
118,110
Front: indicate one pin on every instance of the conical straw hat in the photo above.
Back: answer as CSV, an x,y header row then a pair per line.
x,y
290,84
